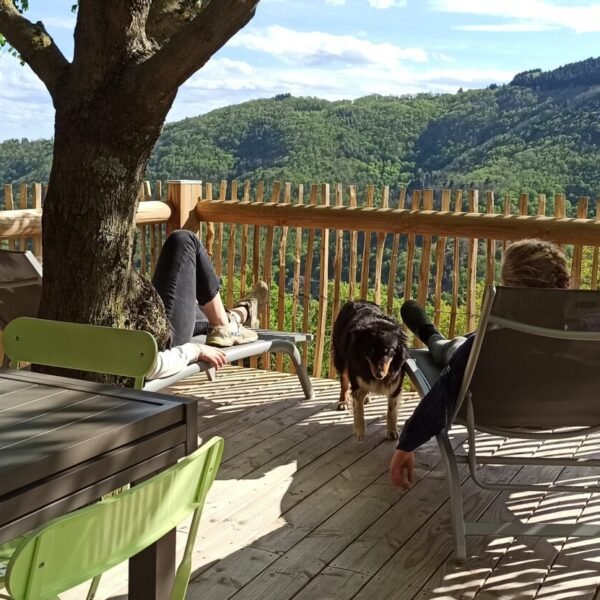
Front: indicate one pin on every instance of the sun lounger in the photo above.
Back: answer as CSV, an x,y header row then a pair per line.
x,y
20,293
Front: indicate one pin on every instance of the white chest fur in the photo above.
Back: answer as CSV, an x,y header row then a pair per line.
x,y
385,387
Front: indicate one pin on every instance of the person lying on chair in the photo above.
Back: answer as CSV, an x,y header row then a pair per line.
x,y
190,290
526,263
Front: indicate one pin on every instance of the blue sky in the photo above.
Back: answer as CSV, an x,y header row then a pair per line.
x,y
343,49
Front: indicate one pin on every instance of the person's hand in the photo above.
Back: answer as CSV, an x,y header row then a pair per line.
x,y
214,356
402,469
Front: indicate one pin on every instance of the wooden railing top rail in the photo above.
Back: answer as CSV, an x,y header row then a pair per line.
x,y
28,222
387,220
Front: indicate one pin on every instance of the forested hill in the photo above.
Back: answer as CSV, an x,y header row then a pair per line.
x,y
540,133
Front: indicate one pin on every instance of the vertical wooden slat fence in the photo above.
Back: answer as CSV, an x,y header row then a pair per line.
x,y
443,269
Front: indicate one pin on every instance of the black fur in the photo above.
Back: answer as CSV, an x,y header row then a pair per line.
x,y
364,341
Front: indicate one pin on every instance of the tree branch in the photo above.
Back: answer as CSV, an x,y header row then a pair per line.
x,y
166,17
192,46
108,34
34,44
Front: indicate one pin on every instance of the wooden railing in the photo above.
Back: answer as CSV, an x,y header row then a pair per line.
x,y
318,246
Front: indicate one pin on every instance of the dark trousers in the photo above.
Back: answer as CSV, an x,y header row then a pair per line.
x,y
185,279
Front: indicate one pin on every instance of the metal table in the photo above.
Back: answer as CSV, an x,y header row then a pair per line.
x,y
64,443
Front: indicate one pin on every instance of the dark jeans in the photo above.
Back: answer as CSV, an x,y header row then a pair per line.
x,y
442,349
185,278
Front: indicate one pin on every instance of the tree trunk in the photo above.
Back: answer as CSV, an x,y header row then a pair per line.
x,y
101,149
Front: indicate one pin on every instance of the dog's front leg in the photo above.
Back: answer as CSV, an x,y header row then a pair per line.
x,y
358,408
394,400
344,391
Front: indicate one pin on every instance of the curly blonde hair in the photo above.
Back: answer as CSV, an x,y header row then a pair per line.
x,y
535,263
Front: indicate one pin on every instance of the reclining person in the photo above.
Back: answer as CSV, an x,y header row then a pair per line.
x,y
190,290
526,263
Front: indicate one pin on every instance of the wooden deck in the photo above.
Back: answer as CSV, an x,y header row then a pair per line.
x,y
300,510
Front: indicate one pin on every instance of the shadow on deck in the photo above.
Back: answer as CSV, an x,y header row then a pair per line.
x,y
300,510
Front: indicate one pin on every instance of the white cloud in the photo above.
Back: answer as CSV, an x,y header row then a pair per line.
x,y
387,3
527,15
507,27
25,104
318,47
224,82
379,4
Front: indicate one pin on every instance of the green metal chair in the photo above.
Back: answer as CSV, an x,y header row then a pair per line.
x,y
81,545
81,347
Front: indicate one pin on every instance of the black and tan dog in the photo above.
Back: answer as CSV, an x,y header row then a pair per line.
x,y
369,353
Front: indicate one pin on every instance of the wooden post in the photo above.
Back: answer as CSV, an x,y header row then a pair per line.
x,y
182,196
287,198
297,263
231,248
410,249
424,272
391,293
440,258
366,257
385,203
594,282
353,248
23,192
582,206
490,273
472,265
244,245
9,205
337,267
314,191
323,286
455,272
37,203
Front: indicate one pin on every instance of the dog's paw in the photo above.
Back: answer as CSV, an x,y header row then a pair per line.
x,y
342,406
392,435
359,435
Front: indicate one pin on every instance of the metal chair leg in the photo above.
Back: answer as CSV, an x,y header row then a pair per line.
x,y
456,505
292,351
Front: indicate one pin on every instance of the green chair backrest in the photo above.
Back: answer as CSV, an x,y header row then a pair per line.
x,y
81,347
76,547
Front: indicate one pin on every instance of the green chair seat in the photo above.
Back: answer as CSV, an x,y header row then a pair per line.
x,y
81,545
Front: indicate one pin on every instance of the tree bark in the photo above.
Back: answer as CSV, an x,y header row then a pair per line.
x,y
101,149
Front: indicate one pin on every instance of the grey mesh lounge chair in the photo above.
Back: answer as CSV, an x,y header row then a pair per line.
x,y
532,374
20,293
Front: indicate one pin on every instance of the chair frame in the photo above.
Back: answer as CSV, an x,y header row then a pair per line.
x,y
460,527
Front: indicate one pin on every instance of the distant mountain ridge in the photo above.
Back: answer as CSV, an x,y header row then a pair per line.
x,y
539,133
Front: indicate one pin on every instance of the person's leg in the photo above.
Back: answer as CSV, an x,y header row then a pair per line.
x,y
176,280
440,347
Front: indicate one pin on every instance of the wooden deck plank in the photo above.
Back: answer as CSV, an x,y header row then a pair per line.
x,y
484,553
526,562
301,511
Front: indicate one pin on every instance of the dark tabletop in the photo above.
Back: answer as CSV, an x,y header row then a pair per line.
x,y
62,437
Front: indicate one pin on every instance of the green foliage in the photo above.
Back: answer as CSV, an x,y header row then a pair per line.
x,y
540,134
513,138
